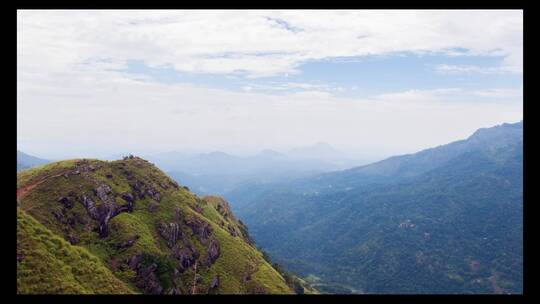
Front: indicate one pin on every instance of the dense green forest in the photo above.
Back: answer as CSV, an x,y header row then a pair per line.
x,y
444,220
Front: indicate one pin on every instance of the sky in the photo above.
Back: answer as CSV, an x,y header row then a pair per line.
x,y
370,83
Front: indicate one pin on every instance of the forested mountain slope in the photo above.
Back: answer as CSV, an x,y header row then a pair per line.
x,y
444,220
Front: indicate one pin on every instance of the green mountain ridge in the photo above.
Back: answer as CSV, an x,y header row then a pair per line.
x,y
445,220
90,226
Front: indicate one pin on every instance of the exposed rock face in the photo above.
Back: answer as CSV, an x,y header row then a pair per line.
x,y
186,257
152,206
214,284
200,228
134,261
128,243
153,194
147,280
102,192
170,232
212,252
104,212
128,197
178,214
58,215
141,191
138,188
66,202
247,273
72,239
259,290
197,208
232,231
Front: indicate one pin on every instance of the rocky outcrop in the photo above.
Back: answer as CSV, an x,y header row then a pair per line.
x,y
186,256
152,206
259,290
178,214
138,188
142,190
134,261
72,239
128,243
128,197
104,212
248,272
200,228
214,284
154,194
197,208
212,252
170,232
232,231
147,280
103,191
66,202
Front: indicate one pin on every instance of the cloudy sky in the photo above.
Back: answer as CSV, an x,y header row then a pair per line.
x,y
94,83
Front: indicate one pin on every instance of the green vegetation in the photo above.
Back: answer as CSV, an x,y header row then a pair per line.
x,y
47,263
446,220
139,253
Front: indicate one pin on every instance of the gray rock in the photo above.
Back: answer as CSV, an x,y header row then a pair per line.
x,y
212,252
214,284
66,202
128,243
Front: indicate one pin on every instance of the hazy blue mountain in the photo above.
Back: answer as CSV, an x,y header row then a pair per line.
x,y
403,166
444,220
219,172
25,161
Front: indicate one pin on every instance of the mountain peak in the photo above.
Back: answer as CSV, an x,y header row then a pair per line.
x,y
129,223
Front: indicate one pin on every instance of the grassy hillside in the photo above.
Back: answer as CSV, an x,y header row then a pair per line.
x,y
143,233
47,263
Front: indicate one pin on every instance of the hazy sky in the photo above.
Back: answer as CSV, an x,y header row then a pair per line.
x,y
93,83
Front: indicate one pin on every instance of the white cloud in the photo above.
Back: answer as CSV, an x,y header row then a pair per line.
x,y
77,117
500,93
251,41
71,100
416,96
470,69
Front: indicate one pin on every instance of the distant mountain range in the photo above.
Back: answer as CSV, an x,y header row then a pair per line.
x,y
219,172
25,161
443,220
